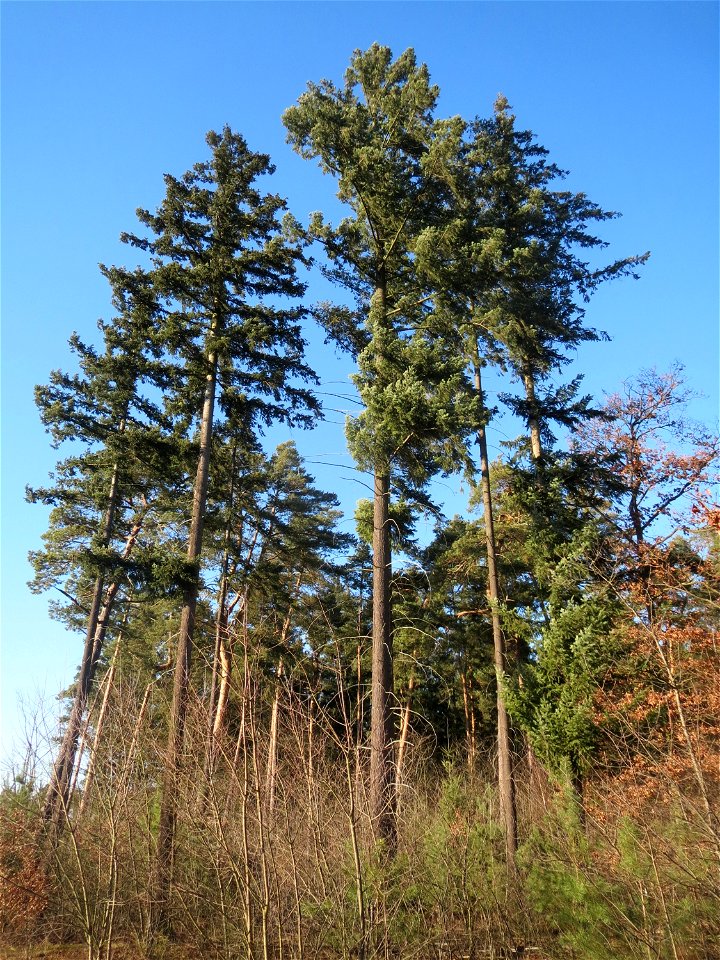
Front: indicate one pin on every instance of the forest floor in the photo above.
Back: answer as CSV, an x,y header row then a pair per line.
x,y
128,951
122,951
79,951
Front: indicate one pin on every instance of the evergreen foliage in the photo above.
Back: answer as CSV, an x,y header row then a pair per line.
x,y
373,136
285,740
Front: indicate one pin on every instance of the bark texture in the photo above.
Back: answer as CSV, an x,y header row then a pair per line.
x,y
506,784
382,778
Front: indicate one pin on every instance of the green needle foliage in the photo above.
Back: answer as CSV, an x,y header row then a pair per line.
x,y
271,751
222,273
221,269
373,136
101,498
539,239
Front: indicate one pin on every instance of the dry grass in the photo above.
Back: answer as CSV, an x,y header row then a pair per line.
x,y
78,951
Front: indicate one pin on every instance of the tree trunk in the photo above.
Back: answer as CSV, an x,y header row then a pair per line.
x,y
382,780
271,771
223,648
222,665
181,683
58,795
506,784
404,730
221,656
90,775
532,418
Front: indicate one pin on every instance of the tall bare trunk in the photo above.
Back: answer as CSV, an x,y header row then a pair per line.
x,y
181,683
382,779
222,667
114,588
506,784
271,771
58,795
382,775
224,670
221,655
536,769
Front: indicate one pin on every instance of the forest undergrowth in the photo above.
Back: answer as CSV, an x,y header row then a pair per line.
x,y
288,741
275,857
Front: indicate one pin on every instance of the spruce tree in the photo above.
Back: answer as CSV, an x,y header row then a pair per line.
x,y
538,236
99,497
372,135
511,286
222,272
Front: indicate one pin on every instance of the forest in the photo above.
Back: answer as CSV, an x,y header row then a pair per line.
x,y
286,740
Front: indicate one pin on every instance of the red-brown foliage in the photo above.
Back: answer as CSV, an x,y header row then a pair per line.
x,y
24,884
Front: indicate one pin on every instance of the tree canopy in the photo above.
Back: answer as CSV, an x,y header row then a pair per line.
x,y
287,739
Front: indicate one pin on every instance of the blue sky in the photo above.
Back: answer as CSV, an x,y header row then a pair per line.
x,y
99,99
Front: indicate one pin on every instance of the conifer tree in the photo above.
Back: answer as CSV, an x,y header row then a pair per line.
x,y
372,135
511,286
99,497
221,267
537,238
275,536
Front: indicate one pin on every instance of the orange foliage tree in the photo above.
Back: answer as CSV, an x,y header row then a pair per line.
x,y
660,705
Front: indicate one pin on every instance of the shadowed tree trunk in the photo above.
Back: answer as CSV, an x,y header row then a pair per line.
x,y
181,682
382,778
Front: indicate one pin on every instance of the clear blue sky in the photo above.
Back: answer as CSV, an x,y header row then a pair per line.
x,y
100,99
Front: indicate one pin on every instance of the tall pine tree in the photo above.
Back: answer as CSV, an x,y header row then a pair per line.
x,y
372,135
99,497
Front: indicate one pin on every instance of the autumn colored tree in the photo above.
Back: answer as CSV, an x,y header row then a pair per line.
x,y
661,708
663,463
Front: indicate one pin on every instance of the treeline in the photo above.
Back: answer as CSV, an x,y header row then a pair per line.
x,y
281,740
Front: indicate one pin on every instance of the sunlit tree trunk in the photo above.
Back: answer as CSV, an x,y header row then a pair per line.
x,y
533,418
103,600
382,779
506,782
99,725
404,730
